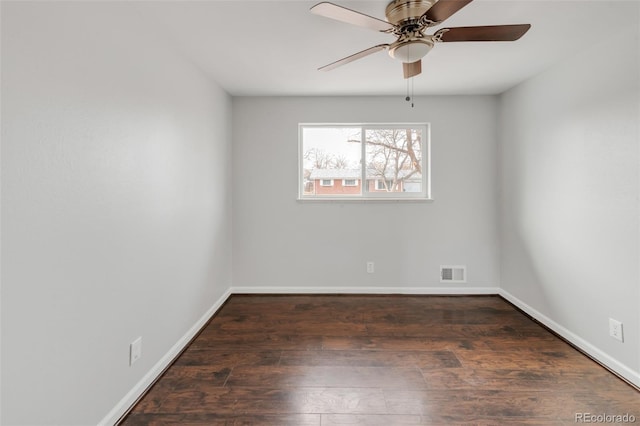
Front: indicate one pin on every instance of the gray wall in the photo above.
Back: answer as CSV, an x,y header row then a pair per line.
x,y
283,243
570,186
115,206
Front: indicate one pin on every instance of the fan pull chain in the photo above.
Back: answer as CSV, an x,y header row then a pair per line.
x,y
412,97
409,98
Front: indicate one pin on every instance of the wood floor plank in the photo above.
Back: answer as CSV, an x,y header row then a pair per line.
x,y
286,322
508,359
440,316
376,360
193,356
371,420
327,376
395,343
458,405
437,360
457,331
210,419
362,358
216,375
258,341
520,380
371,358
264,400
544,342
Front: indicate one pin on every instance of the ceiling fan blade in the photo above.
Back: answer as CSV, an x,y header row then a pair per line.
x,y
354,57
411,69
339,13
485,33
444,9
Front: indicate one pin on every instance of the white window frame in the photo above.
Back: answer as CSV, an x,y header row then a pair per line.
x,y
323,180
345,184
366,195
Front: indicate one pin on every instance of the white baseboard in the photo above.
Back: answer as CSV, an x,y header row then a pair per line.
x,y
131,397
614,365
366,290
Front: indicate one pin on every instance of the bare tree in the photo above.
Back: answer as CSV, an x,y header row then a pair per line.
x,y
319,158
393,156
340,162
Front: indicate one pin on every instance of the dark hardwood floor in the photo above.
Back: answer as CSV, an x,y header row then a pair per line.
x,y
379,360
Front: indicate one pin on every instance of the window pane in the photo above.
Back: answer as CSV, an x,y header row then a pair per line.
x,y
331,156
394,160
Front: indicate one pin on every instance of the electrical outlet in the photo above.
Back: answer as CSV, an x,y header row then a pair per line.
x,y
135,350
370,267
615,329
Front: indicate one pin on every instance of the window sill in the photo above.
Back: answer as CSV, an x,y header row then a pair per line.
x,y
365,199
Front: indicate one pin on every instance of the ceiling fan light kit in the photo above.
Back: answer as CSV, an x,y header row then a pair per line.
x,y
411,50
408,21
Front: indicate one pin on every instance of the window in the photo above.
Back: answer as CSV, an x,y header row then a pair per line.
x,y
384,185
369,161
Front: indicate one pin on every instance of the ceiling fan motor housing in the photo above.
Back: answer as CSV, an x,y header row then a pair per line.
x,y
412,45
399,12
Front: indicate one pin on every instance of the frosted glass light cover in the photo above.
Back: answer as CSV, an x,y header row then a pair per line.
x,y
411,51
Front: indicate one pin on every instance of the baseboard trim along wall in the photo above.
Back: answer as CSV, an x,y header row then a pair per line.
x,y
611,364
143,385
367,290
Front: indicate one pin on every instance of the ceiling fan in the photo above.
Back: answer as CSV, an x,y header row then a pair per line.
x,y
408,20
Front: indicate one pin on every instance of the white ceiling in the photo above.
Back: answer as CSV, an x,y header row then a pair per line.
x,y
269,47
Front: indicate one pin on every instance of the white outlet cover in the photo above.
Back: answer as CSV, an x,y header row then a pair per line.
x,y
615,329
135,350
371,268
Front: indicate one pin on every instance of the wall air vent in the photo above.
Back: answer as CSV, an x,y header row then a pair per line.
x,y
453,274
